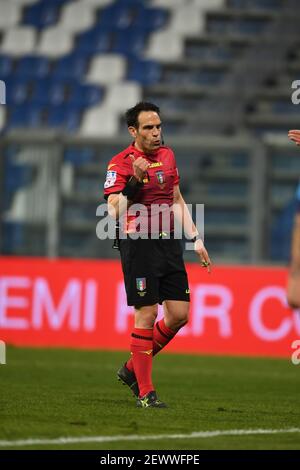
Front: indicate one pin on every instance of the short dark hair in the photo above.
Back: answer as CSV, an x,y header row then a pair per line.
x,y
132,114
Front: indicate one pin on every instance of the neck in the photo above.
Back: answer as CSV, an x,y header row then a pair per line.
x,y
146,152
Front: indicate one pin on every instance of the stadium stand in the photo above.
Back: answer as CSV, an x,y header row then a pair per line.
x,y
221,71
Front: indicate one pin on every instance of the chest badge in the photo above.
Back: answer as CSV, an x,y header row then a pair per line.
x,y
161,178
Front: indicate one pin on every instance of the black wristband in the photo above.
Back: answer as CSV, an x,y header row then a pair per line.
x,y
196,237
132,187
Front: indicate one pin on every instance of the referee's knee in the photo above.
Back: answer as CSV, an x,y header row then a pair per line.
x,y
176,322
145,316
181,322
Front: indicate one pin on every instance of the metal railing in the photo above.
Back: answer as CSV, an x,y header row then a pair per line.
x,y
53,199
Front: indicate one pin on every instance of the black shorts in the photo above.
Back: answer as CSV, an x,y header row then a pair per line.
x,y
153,271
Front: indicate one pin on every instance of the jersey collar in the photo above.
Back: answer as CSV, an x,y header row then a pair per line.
x,y
134,150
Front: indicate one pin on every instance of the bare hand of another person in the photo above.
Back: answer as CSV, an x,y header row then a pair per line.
x,y
294,135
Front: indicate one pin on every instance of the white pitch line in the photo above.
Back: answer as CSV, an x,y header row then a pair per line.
x,y
134,437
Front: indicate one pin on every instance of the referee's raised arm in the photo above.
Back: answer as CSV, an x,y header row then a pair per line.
x,y
118,203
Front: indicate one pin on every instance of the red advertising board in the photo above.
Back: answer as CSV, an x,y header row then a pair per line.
x,y
82,304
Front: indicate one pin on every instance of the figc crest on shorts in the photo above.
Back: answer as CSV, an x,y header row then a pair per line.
x,y
141,286
111,177
141,283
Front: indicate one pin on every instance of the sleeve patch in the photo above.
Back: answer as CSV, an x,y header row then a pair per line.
x,y
111,177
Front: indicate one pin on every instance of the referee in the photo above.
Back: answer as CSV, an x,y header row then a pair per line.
x,y
145,173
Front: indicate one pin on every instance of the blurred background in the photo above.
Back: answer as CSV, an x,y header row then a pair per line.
x,y
222,73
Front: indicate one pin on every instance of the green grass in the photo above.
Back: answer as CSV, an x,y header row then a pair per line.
x,y
49,393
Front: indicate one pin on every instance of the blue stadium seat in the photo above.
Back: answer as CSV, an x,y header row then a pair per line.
x,y
151,19
24,116
85,95
286,160
69,92
131,3
218,25
236,217
118,15
58,3
132,14
205,51
255,4
17,90
211,77
244,26
71,66
13,237
129,42
203,77
33,67
93,41
260,129
41,15
16,175
146,72
227,189
49,92
6,66
251,26
240,159
284,107
66,118
57,92
79,155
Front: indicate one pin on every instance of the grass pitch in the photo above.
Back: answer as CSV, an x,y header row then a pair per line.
x,y
52,393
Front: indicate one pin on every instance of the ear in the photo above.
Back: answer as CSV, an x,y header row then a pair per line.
x,y
132,131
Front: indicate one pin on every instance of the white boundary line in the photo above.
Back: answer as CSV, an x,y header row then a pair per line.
x,y
135,437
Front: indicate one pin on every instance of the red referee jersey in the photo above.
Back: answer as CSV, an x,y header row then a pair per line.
x,y
158,188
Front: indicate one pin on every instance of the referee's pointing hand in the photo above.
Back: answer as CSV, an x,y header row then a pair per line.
x,y
140,166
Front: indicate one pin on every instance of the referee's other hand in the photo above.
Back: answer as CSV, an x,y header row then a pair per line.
x,y
140,166
203,255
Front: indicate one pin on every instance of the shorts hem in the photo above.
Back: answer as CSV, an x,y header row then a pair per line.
x,y
157,301
185,299
143,303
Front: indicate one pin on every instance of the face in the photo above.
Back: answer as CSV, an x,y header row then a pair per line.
x,y
148,134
